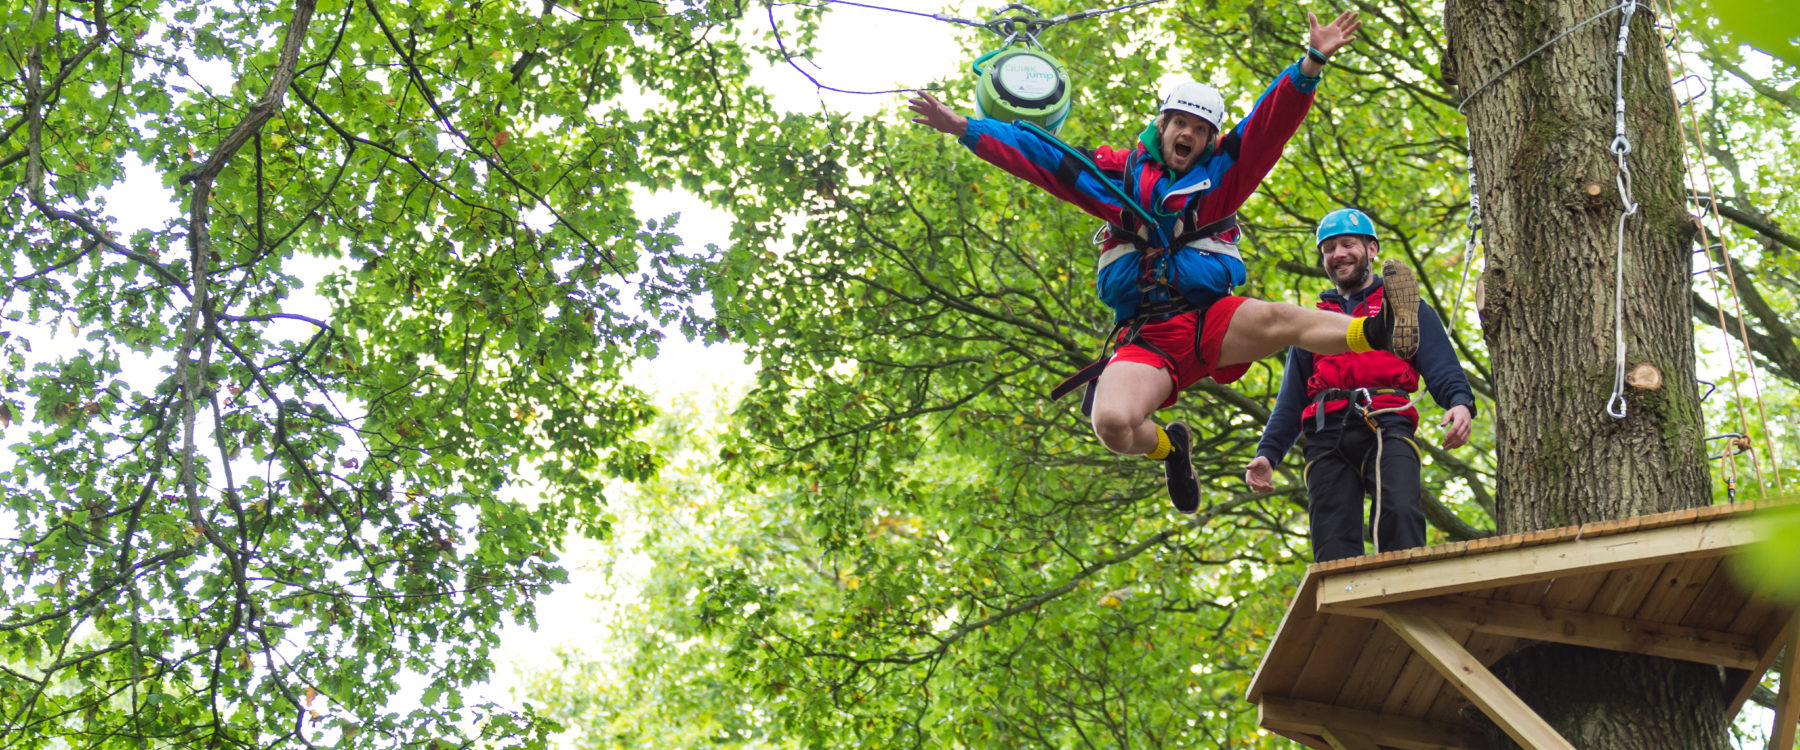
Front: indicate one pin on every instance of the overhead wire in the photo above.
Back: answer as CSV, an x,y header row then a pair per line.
x,y
1009,27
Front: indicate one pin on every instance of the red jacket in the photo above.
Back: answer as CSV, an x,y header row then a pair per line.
x,y
1361,370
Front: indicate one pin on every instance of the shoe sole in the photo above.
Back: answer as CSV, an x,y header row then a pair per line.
x,y
1193,476
1401,296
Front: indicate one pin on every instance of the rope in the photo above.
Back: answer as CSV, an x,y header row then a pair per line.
x,y
1471,245
1621,146
1724,329
1369,418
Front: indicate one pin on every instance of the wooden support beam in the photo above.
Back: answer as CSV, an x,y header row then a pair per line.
x,y
1348,740
1290,717
1754,677
1576,628
1468,674
1787,703
1539,563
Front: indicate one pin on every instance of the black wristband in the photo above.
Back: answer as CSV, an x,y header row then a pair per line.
x,y
1317,56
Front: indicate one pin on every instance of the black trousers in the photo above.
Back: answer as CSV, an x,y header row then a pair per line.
x,y
1341,471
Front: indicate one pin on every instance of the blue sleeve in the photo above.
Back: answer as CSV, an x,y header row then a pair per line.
x,y
1284,420
1436,362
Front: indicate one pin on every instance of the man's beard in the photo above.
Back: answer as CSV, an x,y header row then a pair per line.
x,y
1357,280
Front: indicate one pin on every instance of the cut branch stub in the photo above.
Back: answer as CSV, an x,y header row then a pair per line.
x,y
1644,377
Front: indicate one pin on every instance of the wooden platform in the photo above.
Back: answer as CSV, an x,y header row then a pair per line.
x,y
1387,651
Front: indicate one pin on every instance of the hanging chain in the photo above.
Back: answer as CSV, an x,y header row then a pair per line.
x,y
1621,146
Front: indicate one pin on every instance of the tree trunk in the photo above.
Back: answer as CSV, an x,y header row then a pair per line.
x,y
1542,138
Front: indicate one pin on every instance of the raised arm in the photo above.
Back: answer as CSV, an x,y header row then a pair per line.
x,y
1250,150
1028,155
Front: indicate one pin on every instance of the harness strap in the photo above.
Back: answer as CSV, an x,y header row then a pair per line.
x,y
1352,395
1148,312
1125,234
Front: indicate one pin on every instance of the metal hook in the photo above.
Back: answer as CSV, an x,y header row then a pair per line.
x,y
1710,387
1738,440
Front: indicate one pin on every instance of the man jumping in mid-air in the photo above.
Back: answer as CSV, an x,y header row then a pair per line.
x,y
1169,281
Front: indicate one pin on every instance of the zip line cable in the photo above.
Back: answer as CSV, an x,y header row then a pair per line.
x,y
1012,28
1711,203
1521,61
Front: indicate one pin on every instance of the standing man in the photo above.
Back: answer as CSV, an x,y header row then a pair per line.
x,y
1169,258
1356,409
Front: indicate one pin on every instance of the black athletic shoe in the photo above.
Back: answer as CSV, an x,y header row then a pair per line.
x,y
1398,322
1178,468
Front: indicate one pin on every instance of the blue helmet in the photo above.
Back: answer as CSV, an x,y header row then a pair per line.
x,y
1344,221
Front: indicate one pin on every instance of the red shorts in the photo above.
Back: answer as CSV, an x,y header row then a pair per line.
x,y
1176,337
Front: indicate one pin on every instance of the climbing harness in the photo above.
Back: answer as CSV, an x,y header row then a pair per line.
x,y
1153,246
1361,401
1127,332
1370,418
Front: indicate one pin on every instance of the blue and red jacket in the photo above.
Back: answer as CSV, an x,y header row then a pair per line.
x,y
1308,375
1134,263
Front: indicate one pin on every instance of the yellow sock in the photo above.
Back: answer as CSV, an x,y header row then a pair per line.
x,y
1355,338
1161,451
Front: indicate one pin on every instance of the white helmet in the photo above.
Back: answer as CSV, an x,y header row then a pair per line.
x,y
1198,99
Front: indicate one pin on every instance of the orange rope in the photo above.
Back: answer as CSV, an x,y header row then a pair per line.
x,y
1730,278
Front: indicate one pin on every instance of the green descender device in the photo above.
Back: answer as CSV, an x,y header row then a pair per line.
x,y
1020,81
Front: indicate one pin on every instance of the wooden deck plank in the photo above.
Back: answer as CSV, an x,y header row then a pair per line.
x,y
1523,593
1486,545
1576,554
1672,594
1329,666
1415,689
1718,604
1758,615
1574,592
1292,645
1538,623
1372,677
1624,590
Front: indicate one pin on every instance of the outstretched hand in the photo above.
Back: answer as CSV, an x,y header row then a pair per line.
x,y
1456,427
1260,475
933,114
1331,37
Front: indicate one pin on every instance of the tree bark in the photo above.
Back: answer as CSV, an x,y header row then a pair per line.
x,y
1541,136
